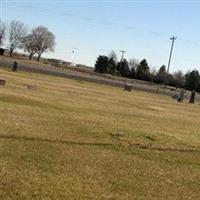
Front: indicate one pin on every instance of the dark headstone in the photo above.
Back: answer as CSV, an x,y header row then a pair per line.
x,y
192,98
128,87
175,96
2,51
15,67
2,82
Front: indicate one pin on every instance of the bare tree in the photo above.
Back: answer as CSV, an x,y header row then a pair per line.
x,y
44,39
113,55
17,31
29,44
2,32
133,63
179,78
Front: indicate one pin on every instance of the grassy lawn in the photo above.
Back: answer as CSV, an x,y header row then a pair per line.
x,y
70,139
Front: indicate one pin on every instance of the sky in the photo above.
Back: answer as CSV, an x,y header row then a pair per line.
x,y
141,28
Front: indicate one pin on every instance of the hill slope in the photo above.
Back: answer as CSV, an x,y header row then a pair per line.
x,y
69,139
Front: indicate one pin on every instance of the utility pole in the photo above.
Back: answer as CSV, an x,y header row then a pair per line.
x,y
122,57
170,57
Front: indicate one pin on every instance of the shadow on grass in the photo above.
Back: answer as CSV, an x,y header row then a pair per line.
x,y
136,145
24,138
150,147
140,146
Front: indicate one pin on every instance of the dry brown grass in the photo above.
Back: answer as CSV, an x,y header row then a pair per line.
x,y
75,140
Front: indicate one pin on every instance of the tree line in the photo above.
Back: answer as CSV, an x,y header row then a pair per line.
x,y
34,42
141,70
39,40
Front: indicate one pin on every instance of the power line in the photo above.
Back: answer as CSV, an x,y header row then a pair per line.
x,y
94,21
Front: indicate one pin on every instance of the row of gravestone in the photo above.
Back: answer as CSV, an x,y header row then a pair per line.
x,y
14,69
127,87
181,96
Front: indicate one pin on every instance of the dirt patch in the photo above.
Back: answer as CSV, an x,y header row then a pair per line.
x,y
156,108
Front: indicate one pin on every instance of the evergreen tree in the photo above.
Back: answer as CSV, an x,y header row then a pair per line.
x,y
192,80
143,72
162,70
112,66
102,64
161,75
125,71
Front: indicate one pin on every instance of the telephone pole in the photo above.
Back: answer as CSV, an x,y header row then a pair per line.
x,y
122,57
170,57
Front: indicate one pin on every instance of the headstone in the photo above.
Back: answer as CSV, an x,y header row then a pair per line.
x,y
181,96
2,82
192,98
15,67
175,96
128,87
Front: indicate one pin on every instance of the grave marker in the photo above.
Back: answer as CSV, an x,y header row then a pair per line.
x,y
15,67
181,96
2,82
192,98
128,87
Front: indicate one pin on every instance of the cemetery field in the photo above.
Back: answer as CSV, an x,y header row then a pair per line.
x,y
69,139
